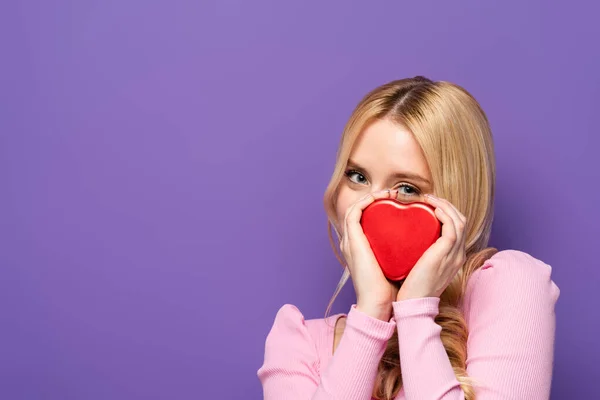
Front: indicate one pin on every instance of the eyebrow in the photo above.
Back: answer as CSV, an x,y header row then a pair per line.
x,y
406,175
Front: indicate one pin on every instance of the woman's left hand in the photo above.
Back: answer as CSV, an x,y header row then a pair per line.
x,y
436,268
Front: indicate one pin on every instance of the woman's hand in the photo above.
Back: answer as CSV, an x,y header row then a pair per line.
x,y
374,292
436,268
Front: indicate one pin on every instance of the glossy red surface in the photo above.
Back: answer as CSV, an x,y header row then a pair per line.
x,y
399,233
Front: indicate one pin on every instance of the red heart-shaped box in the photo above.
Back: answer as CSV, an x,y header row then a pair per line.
x,y
399,233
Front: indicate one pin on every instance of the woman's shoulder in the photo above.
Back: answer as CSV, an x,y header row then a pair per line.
x,y
290,316
512,275
510,264
294,338
290,324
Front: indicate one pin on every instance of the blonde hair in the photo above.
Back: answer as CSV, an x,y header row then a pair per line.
x,y
454,134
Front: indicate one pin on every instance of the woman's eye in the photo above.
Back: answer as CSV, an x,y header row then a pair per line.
x,y
410,190
356,177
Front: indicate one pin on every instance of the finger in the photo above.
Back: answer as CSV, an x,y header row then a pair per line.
x,y
449,235
459,225
454,211
355,211
450,210
368,198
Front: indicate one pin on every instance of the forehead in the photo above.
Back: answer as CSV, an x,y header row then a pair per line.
x,y
386,147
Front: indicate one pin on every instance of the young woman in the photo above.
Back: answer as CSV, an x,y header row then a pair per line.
x,y
468,322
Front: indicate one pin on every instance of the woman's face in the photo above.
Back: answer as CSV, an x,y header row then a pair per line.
x,y
385,156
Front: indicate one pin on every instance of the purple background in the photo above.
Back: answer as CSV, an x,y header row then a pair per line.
x,y
162,166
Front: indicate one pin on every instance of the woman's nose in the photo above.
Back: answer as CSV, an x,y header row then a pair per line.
x,y
379,188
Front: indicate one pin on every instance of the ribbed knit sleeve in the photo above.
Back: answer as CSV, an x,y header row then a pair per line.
x,y
509,309
291,368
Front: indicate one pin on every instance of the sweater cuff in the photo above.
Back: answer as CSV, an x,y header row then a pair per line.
x,y
368,326
421,306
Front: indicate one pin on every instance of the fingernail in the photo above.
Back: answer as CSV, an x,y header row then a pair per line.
x,y
430,196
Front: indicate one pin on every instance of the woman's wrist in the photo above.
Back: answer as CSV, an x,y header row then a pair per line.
x,y
383,313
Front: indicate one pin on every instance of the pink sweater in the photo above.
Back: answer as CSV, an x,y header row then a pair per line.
x,y
509,309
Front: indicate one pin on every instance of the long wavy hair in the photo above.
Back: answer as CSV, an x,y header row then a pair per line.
x,y
455,136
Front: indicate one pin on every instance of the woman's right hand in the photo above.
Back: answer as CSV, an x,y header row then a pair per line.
x,y
374,292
